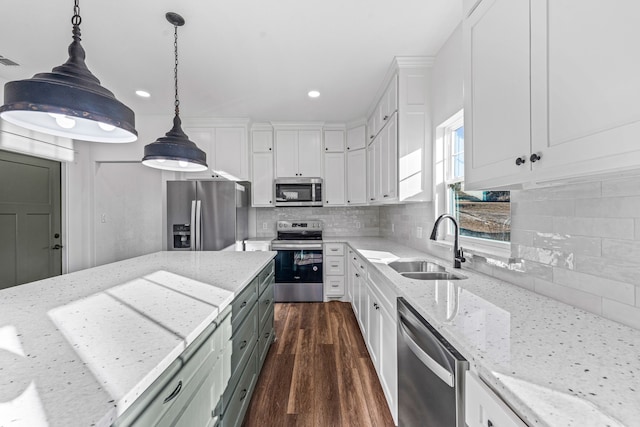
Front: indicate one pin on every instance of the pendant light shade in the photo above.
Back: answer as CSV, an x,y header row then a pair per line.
x,y
69,101
174,151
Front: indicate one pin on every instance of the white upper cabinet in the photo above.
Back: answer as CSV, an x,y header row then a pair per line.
x,y
226,145
400,157
262,168
549,91
356,138
334,179
497,112
298,153
357,177
584,86
334,141
262,141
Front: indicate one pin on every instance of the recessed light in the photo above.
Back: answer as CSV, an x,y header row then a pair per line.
x,y
143,93
313,94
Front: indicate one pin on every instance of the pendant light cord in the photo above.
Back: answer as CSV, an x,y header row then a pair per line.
x,y
175,70
76,19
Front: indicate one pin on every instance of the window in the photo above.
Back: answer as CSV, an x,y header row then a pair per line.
x,y
484,216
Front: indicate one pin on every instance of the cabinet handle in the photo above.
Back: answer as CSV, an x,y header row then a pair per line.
x,y
534,157
334,265
385,117
348,201
371,137
354,258
334,286
267,302
243,394
489,423
521,160
56,247
348,148
243,305
269,148
334,249
174,393
371,198
386,195
326,149
243,344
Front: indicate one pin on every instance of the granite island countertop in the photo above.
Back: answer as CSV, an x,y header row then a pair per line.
x,y
78,349
554,364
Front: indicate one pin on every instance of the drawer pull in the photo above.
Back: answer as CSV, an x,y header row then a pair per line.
x,y
489,423
243,305
334,265
334,286
267,335
243,394
267,302
174,393
334,249
243,344
357,275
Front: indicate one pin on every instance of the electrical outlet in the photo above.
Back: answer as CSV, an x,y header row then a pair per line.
x,y
419,232
393,228
357,224
264,225
103,218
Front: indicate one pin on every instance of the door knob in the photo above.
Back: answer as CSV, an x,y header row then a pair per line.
x,y
56,246
534,157
521,160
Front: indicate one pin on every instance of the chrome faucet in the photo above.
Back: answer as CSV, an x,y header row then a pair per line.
x,y
458,256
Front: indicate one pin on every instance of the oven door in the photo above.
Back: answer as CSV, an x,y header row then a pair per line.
x,y
298,275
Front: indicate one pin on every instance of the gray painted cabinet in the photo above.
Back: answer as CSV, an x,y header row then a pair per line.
x,y
211,382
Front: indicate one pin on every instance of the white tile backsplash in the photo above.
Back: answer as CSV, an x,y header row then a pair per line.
x,y
577,243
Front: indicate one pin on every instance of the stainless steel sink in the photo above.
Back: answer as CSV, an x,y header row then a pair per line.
x,y
432,275
409,266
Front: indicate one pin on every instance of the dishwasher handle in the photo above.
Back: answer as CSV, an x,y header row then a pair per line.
x,y
441,372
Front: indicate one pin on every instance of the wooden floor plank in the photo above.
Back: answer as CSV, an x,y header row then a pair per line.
x,y
318,373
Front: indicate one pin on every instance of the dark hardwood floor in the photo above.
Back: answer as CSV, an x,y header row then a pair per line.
x,y
318,373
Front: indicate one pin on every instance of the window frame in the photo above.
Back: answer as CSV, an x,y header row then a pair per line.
x,y
444,198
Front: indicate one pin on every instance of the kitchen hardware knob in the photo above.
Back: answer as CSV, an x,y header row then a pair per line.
x,y
385,117
243,344
357,275
243,305
243,394
326,149
174,393
371,137
489,423
56,236
348,148
386,195
56,247
269,148
521,160
534,157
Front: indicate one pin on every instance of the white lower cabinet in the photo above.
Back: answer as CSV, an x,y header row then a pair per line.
x,y
374,304
334,270
484,408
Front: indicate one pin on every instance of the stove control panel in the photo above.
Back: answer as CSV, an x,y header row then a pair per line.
x,y
299,225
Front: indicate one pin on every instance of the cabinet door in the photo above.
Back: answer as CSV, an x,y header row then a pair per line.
x,y
230,154
309,153
262,185
388,359
286,153
484,408
350,276
373,326
497,92
585,83
371,131
333,140
334,181
356,177
262,141
356,138
389,160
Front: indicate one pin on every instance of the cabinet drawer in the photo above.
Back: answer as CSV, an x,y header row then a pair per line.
x,y
334,285
334,265
265,306
265,339
242,344
266,276
243,303
334,249
241,396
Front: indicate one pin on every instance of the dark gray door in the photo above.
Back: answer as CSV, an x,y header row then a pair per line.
x,y
30,242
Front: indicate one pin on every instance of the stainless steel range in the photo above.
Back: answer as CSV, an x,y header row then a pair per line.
x,y
299,261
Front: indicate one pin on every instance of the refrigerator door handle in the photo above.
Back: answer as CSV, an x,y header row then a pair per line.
x,y
193,225
198,225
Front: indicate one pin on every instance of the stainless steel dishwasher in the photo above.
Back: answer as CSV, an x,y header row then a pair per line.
x,y
430,374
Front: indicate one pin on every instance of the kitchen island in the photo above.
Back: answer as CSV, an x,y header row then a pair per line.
x,y
78,349
553,364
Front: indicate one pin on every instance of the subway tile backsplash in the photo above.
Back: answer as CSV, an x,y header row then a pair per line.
x,y
338,221
578,243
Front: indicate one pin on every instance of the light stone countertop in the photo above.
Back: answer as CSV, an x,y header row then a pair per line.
x,y
78,349
554,364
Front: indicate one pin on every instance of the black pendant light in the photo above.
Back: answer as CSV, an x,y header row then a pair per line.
x,y
175,151
69,101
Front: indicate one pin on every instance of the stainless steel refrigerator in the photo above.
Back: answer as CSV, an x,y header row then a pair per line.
x,y
207,215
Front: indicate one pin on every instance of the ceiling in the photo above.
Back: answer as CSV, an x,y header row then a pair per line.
x,y
238,58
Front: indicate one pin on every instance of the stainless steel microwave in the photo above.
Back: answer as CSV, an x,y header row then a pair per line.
x,y
298,191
